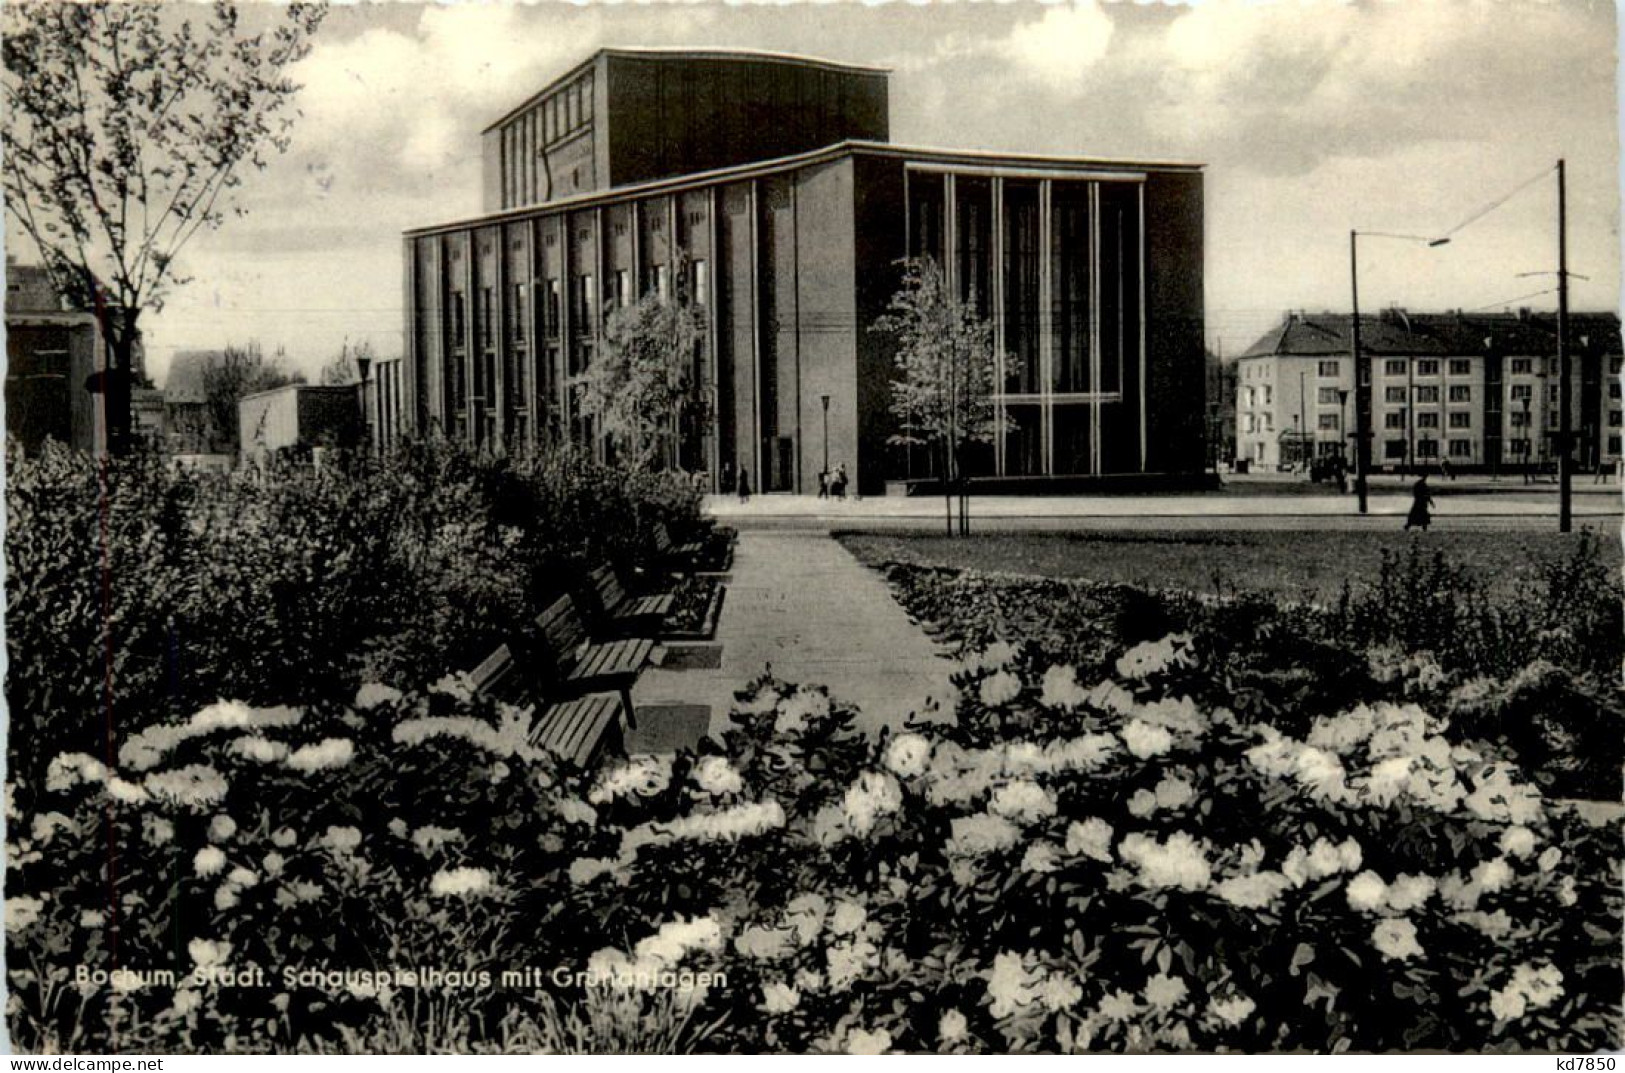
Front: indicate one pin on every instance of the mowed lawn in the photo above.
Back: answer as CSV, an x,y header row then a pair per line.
x,y
1311,565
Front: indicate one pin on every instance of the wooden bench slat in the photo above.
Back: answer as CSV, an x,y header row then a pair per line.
x,y
577,729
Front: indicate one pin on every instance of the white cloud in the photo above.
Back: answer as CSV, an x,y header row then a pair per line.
x,y
1060,48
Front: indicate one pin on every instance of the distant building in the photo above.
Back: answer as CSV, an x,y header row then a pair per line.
x,y
55,355
186,418
1477,389
300,419
768,182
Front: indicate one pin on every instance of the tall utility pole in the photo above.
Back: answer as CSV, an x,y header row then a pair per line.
x,y
1362,382
1565,490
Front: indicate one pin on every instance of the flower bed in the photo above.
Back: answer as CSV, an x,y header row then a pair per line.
x,y
1082,862
696,604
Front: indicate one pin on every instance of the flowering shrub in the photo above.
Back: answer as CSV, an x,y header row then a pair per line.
x,y
1080,863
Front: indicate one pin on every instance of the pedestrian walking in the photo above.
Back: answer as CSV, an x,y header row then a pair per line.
x,y
1421,504
823,484
744,485
1447,469
838,486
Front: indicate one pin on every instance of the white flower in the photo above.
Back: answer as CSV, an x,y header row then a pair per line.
x,y
1253,891
640,776
1041,858
583,870
1151,657
22,911
458,685
860,1041
1119,1006
849,961
1518,841
1059,992
1023,801
273,863
874,795
372,694
999,689
1180,862
341,839
715,776
1507,1004
460,882
208,954
156,830
1061,688
798,710
92,918
765,944
1530,987
1367,892
1174,792
805,914
1566,895
848,918
208,861
574,810
1012,984
779,998
225,897
1142,804
1407,892
221,828
952,1027
1496,925
283,837
1090,838
1164,992
908,755
192,786
261,749
1549,858
328,753
125,792
1395,939
1145,740
186,1000
1231,1011
980,834
1491,876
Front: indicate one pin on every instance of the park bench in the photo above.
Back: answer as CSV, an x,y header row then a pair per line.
x,y
622,613
572,662
581,729
674,556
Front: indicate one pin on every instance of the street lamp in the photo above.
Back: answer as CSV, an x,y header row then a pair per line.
x,y
1528,441
1362,364
823,480
1343,417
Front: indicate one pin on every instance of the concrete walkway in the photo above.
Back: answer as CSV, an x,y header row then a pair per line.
x,y
799,602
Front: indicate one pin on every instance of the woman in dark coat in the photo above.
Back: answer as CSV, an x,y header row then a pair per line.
x,y
744,485
1421,502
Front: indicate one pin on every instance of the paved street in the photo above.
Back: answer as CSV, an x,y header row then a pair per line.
x,y
801,604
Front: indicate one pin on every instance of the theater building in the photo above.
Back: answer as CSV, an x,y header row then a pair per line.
x,y
764,188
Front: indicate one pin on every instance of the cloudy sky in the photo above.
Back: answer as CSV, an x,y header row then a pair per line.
x,y
1311,118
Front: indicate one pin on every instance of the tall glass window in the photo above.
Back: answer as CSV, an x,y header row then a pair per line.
x,y
1021,269
973,242
1119,270
925,215
1070,287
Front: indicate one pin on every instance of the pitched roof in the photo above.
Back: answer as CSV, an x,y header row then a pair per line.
x,y
186,369
1401,334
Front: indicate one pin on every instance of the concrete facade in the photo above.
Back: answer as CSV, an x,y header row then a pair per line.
x,y
1477,390
1090,270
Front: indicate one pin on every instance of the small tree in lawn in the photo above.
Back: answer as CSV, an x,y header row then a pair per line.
x,y
640,386
947,368
127,127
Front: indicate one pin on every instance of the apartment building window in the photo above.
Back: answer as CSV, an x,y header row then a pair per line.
x,y
1328,396
551,309
662,282
1551,418
1394,367
518,313
1461,448
1522,391
1613,445
1615,364
1392,449
1247,396
1393,394
1613,418
458,320
1551,366
487,318
1427,448
1428,367
583,304
1330,368
1269,394
623,295
1427,394
1461,393
1613,391
1252,422
1427,419
1394,419
1460,367
1461,420
1551,391
1269,422
1518,419
1522,366
1328,422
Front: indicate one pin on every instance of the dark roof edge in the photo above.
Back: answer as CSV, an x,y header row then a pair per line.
x,y
680,52
758,168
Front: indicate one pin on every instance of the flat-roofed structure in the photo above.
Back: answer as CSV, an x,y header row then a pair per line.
x,y
790,232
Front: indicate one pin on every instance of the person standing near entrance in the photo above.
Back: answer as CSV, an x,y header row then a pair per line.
x,y
1421,504
744,485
